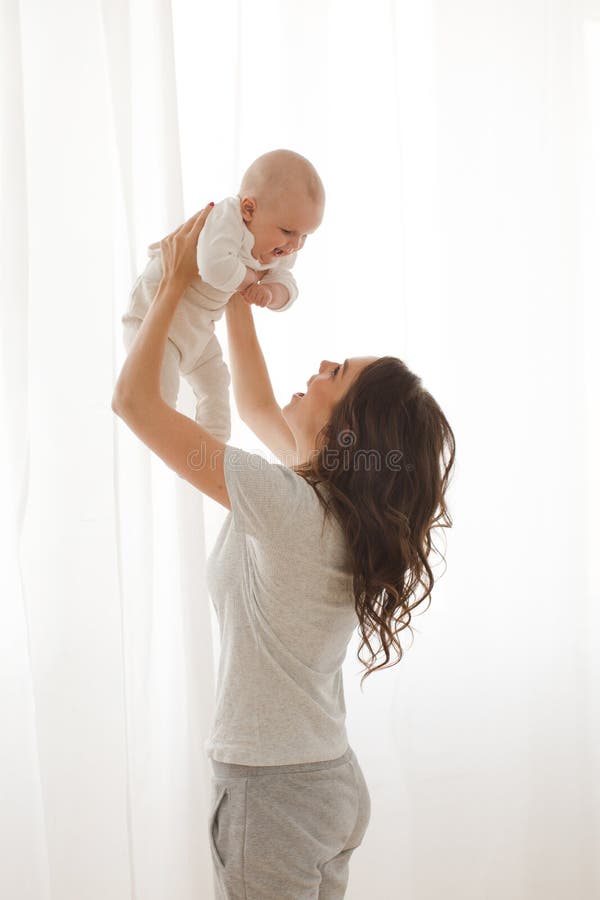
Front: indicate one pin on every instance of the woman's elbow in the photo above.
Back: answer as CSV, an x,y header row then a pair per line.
x,y
134,407
119,403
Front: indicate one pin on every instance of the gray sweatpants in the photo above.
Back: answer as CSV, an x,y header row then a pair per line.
x,y
286,832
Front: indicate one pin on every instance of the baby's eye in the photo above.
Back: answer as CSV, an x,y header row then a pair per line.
x,y
285,230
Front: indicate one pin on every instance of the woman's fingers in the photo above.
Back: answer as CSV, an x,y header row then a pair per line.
x,y
193,225
197,221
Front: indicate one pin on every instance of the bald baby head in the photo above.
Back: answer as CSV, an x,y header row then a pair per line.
x,y
281,172
281,201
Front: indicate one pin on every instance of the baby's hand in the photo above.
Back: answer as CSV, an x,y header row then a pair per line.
x,y
259,294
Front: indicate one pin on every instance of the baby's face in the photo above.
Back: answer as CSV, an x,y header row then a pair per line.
x,y
280,227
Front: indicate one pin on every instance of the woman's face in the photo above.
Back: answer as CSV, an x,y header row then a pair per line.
x,y
306,415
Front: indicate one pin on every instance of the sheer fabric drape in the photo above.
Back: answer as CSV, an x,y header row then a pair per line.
x,y
459,144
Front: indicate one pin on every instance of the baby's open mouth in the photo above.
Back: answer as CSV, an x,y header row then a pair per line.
x,y
277,252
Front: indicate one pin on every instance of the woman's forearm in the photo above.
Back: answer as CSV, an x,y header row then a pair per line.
x,y
139,379
249,374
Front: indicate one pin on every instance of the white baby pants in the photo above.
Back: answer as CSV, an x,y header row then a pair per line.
x,y
192,349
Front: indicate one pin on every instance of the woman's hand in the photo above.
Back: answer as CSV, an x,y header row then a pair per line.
x,y
178,250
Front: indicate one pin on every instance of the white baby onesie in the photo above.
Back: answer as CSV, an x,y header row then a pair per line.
x,y
192,350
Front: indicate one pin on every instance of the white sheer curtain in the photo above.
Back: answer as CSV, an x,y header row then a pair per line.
x,y
460,146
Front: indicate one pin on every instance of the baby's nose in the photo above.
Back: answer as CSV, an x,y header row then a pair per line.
x,y
293,244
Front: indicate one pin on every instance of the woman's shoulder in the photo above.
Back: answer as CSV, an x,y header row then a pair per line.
x,y
263,494
251,466
280,508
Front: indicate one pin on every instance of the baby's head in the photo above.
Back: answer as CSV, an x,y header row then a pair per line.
x,y
282,201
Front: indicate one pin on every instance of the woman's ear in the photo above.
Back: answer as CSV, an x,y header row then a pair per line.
x,y
247,208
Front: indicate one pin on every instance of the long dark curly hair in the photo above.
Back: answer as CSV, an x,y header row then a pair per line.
x,y
386,457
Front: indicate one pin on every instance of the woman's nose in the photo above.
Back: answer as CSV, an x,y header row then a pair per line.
x,y
312,377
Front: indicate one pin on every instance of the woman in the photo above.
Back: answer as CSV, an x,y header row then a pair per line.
x,y
341,531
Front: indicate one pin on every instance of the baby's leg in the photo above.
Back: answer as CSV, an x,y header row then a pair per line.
x,y
169,375
210,382
192,349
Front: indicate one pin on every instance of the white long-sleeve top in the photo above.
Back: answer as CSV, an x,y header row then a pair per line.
x,y
225,250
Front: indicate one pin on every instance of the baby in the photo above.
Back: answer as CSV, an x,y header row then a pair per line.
x,y
249,244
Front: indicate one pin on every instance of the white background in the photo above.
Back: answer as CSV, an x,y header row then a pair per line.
x,y
459,143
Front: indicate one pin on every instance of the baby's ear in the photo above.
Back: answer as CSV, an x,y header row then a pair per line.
x,y
247,208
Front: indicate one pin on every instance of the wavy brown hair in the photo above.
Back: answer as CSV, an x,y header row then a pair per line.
x,y
386,457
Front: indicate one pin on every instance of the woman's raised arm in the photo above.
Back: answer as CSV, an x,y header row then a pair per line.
x,y
252,387
187,448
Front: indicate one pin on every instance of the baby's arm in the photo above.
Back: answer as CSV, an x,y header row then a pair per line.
x,y
274,295
279,295
281,283
250,279
218,253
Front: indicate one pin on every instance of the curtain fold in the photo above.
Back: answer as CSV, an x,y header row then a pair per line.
x,y
24,861
460,149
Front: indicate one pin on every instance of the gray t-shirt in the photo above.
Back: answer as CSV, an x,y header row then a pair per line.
x,y
282,590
